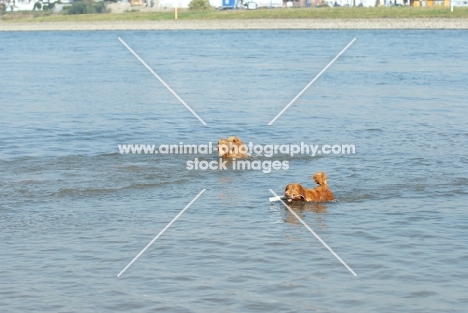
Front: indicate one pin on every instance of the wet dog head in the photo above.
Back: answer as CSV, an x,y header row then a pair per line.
x,y
294,192
232,147
235,140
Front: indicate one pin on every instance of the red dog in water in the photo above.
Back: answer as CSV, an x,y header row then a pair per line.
x,y
296,192
232,147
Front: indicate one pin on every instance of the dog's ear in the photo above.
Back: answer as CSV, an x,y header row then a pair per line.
x,y
223,147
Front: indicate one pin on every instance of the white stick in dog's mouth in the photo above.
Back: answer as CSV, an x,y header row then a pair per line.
x,y
284,198
278,198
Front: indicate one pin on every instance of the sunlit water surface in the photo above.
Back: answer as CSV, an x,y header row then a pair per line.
x,y
74,211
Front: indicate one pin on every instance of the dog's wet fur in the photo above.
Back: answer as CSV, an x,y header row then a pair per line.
x,y
321,193
233,147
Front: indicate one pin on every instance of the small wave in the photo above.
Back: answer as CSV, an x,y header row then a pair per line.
x,y
87,192
421,294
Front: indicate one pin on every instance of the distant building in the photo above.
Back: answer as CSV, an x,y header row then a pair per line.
x,y
440,3
20,5
26,5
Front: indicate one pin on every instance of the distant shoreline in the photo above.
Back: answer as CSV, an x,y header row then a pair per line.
x,y
243,24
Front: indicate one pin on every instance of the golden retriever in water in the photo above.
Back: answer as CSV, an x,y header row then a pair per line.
x,y
296,192
232,147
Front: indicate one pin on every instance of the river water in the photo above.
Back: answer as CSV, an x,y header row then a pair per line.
x,y
74,211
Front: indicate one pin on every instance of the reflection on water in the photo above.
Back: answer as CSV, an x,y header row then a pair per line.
x,y
299,207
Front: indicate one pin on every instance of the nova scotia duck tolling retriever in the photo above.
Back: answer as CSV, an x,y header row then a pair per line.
x,y
232,147
321,193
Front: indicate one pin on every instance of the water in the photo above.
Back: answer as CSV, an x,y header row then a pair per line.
x,y
74,212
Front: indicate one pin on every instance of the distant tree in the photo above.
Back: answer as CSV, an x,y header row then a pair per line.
x,y
87,7
81,7
199,5
38,6
49,6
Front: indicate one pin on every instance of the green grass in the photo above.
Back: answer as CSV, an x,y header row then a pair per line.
x,y
329,13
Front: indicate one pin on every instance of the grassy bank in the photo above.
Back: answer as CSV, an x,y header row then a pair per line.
x,y
325,13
